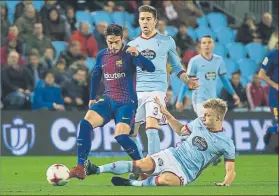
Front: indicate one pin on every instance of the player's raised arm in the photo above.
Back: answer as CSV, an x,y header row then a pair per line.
x,y
179,128
141,61
95,80
178,69
266,66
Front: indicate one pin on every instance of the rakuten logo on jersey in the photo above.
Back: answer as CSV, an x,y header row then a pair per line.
x,y
114,76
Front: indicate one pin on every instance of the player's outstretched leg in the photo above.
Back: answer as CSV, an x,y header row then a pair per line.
x,y
164,179
121,167
91,120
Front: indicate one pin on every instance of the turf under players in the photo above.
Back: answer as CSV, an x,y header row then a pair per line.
x,y
269,73
158,48
206,142
118,65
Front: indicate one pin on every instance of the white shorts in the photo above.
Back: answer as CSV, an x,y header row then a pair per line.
x,y
199,109
165,162
148,108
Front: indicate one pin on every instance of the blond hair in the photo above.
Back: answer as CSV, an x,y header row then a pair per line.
x,y
219,105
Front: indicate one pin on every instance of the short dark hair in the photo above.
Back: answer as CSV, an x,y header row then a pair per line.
x,y
47,73
148,8
114,29
236,72
207,36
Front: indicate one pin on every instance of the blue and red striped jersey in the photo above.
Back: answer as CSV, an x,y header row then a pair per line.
x,y
119,74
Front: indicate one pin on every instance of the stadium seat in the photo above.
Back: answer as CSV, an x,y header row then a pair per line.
x,y
90,63
172,31
11,5
121,18
192,33
231,67
202,31
236,50
99,16
202,21
38,5
225,35
256,52
83,16
216,20
247,68
220,49
59,46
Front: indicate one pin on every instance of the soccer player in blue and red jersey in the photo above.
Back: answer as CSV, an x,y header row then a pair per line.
x,y
118,66
269,73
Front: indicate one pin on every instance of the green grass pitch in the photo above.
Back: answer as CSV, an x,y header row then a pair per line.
x,y
255,175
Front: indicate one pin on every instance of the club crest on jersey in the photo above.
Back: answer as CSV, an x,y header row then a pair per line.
x,y
119,63
210,75
147,53
199,143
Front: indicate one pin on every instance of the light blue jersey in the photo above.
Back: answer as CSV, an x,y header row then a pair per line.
x,y
159,49
201,148
207,71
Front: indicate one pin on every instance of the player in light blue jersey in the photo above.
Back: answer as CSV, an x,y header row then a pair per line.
x,y
207,67
158,48
206,142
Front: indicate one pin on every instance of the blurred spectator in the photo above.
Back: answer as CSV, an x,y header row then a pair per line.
x,y
71,18
265,28
49,4
80,63
11,45
35,67
188,12
38,40
60,72
273,41
74,90
256,94
248,31
239,90
48,59
183,41
170,13
99,34
72,54
17,83
48,95
188,54
5,23
19,9
25,23
14,30
88,44
161,27
55,26
109,6
126,38
132,6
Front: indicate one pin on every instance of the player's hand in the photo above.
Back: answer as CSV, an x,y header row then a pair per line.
x,y
163,109
193,83
133,51
179,106
220,184
91,102
236,99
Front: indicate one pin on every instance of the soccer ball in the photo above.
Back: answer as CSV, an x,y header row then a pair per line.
x,y
58,175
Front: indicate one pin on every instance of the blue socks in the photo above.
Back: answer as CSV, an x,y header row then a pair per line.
x,y
84,141
129,146
153,140
139,146
118,167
